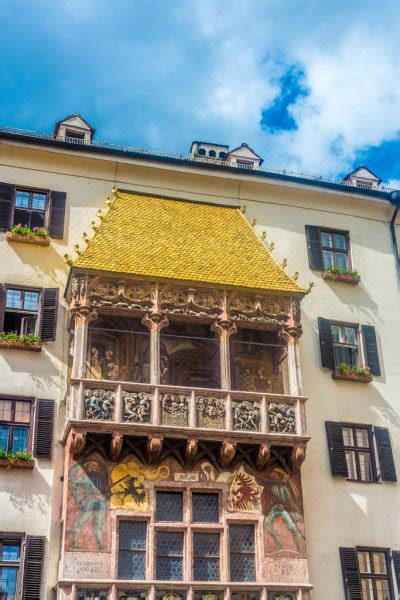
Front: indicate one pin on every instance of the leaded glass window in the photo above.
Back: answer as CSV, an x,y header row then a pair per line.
x,y
242,552
169,561
205,508
132,550
92,595
245,595
131,595
171,595
208,595
206,550
169,506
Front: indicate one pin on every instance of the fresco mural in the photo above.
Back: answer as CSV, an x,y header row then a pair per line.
x,y
128,485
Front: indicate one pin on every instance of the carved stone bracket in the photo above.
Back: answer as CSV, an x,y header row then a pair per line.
x,y
155,321
227,453
298,456
192,447
224,328
154,449
263,455
83,314
116,446
78,443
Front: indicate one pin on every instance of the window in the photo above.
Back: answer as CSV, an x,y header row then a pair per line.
x,y
10,554
169,559
212,154
358,448
242,552
75,135
205,508
345,344
222,155
169,506
206,550
30,208
21,311
335,250
92,595
15,423
245,164
374,573
201,151
132,550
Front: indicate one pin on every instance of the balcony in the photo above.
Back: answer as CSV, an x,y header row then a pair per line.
x,y
179,411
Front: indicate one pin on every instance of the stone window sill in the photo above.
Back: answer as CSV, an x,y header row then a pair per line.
x,y
17,346
351,377
342,277
27,239
16,464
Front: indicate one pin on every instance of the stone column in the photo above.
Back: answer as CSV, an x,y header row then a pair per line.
x,y
155,322
225,329
291,336
82,317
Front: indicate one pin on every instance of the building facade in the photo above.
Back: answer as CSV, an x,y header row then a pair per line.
x,y
180,416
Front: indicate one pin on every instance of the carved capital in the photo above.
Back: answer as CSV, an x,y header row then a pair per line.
x,y
298,456
78,443
263,455
290,333
191,450
154,449
155,321
224,328
227,453
116,446
84,314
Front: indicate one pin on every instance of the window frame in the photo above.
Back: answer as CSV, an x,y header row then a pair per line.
x,y
12,423
23,289
254,524
31,191
136,519
356,449
376,576
20,537
334,249
359,345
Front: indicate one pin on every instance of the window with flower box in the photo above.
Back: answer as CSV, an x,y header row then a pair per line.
x,y
15,424
10,557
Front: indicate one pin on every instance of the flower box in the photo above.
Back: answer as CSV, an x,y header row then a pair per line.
x,y
37,347
27,239
343,277
5,463
361,378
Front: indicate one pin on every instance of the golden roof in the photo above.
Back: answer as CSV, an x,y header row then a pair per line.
x,y
180,240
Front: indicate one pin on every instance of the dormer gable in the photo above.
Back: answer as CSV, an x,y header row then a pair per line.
x,y
74,128
245,157
209,150
363,176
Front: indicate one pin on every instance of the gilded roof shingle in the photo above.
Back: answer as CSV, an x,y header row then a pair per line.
x,y
190,241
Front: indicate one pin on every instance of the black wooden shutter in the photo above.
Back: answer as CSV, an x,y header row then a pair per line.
x,y
385,454
6,196
57,214
314,247
326,343
44,428
337,453
48,321
33,567
371,349
351,573
396,564
2,304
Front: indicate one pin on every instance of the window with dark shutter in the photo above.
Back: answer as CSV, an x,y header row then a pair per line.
x,y
351,573
371,349
385,454
337,452
33,568
396,564
6,197
326,343
44,428
2,305
57,214
49,314
314,247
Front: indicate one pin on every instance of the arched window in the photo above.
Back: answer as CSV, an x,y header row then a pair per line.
x,y
222,155
212,153
201,152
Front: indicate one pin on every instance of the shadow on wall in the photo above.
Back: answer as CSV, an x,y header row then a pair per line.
x,y
44,260
37,494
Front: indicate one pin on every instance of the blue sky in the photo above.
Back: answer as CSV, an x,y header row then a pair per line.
x,y
312,86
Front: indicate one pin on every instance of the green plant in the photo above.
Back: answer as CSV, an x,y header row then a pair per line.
x,y
13,457
25,230
334,270
16,338
354,370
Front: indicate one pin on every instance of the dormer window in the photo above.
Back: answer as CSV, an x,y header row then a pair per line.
x,y
74,129
363,177
201,152
75,135
212,154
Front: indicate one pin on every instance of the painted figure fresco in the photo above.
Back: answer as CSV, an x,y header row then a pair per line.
x,y
87,525
244,492
128,484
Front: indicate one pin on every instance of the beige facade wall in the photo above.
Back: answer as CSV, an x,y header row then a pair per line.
x,y
338,513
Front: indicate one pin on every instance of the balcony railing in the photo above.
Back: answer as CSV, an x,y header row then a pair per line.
x,y
144,406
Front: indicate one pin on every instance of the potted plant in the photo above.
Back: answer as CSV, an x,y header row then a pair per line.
x,y
24,341
352,373
18,460
342,274
23,233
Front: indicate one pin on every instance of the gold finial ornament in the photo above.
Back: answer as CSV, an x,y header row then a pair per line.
x,y
284,263
295,276
310,287
254,222
271,247
77,249
94,226
85,237
243,209
263,236
109,201
100,214
113,190
68,259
